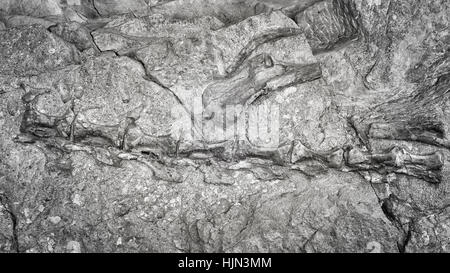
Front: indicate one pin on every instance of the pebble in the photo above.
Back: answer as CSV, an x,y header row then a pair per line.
x,y
54,219
73,247
77,199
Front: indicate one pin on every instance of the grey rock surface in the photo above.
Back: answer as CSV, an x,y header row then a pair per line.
x,y
30,50
224,126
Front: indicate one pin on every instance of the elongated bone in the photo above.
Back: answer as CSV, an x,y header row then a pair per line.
x,y
257,76
397,160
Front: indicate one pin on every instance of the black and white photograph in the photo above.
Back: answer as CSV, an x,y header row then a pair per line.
x,y
194,127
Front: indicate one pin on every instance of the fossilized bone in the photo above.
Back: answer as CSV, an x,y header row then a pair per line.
x,y
327,24
418,117
258,76
261,74
252,79
396,160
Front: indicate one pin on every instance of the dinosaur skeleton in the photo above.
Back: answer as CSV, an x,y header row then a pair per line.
x,y
255,76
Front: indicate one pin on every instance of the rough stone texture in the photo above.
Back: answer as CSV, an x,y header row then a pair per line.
x,y
31,50
73,10
96,154
228,11
23,20
75,33
328,24
111,7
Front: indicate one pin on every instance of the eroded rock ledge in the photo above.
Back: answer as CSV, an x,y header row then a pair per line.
x,y
110,114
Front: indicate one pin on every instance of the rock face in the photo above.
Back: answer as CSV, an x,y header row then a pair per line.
x,y
224,126
31,50
73,10
328,24
108,7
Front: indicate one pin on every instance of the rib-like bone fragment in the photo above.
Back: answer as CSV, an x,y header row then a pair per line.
x,y
402,131
415,118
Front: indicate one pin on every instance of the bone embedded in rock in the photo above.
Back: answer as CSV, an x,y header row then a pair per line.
x,y
329,23
399,160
